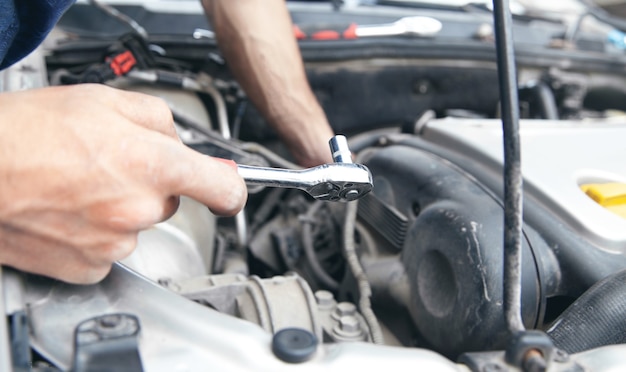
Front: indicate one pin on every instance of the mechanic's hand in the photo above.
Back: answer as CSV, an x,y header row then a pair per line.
x,y
84,168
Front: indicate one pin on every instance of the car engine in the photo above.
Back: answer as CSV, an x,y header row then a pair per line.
x,y
409,276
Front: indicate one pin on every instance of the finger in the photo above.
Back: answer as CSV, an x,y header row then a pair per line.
x,y
94,263
130,215
147,111
141,109
209,181
115,250
58,260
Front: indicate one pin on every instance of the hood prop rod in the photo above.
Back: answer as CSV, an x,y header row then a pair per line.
x,y
528,350
512,165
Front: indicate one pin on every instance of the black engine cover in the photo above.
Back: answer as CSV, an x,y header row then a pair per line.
x,y
452,251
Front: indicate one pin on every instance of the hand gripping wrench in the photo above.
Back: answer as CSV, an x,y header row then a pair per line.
x,y
338,181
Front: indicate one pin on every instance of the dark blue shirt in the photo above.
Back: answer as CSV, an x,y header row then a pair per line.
x,y
24,24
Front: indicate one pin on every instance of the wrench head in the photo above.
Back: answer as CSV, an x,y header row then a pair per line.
x,y
339,191
343,183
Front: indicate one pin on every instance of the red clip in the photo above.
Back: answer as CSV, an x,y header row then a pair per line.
x,y
122,63
350,32
326,35
298,33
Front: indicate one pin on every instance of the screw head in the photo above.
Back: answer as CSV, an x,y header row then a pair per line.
x,y
560,356
324,298
352,194
349,324
110,321
344,309
492,367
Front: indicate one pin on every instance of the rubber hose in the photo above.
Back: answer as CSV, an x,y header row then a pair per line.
x,y
595,319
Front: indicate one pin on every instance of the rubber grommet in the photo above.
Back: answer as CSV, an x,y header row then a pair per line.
x,y
294,345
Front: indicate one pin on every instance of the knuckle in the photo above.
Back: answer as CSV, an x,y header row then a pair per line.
x,y
90,91
157,106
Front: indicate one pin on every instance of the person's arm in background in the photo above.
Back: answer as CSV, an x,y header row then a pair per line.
x,y
257,40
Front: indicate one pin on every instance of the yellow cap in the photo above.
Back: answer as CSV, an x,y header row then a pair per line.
x,y
611,195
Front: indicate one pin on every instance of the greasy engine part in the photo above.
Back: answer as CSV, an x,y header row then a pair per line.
x,y
274,304
438,201
574,242
298,236
180,248
451,253
277,303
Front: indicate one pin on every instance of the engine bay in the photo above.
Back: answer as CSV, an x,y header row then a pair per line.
x,y
408,276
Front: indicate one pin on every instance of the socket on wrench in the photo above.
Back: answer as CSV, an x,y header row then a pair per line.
x,y
338,181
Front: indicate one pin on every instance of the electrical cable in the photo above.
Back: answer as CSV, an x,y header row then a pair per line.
x,y
273,158
309,251
120,17
512,166
365,290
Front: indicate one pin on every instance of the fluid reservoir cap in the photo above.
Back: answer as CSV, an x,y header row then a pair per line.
x,y
611,195
294,345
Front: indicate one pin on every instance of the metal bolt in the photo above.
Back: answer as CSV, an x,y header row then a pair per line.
x,y
352,194
278,279
560,356
492,367
421,87
383,141
484,32
348,328
110,321
344,309
325,299
534,361
349,324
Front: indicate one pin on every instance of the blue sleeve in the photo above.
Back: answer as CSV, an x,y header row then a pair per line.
x,y
24,24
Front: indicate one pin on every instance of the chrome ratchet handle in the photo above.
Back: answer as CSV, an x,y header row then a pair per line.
x,y
339,181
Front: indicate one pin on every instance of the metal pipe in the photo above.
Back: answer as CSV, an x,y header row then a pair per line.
x,y
218,100
546,101
5,349
512,166
364,288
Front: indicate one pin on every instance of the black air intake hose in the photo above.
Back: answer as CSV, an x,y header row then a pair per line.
x,y
595,319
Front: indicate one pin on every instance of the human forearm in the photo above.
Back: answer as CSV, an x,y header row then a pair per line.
x,y
256,38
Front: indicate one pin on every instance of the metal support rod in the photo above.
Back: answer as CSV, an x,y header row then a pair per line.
x,y
5,343
512,166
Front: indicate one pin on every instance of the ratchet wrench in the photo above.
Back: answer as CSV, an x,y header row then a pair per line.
x,y
338,181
